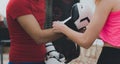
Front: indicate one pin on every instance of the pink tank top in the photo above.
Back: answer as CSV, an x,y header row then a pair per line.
x,y
111,30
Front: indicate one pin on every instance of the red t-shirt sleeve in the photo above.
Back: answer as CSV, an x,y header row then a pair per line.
x,y
19,8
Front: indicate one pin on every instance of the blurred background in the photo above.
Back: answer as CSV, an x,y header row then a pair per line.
x,y
4,36
3,4
88,56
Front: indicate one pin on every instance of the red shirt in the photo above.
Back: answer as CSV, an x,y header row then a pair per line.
x,y
23,48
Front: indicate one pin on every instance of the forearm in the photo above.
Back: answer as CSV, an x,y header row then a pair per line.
x,y
49,35
77,37
43,35
33,29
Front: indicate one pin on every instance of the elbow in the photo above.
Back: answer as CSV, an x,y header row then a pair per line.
x,y
85,42
85,45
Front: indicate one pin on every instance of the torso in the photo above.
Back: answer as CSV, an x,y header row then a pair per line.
x,y
23,47
116,8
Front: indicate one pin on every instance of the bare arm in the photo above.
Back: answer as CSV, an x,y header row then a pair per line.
x,y
86,39
31,26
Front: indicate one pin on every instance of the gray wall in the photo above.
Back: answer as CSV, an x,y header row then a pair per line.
x,y
3,4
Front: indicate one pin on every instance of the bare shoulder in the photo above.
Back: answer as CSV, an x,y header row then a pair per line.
x,y
113,4
110,2
116,5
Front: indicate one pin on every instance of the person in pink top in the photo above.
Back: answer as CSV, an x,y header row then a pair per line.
x,y
105,24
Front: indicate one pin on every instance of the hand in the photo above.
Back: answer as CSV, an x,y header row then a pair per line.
x,y
58,26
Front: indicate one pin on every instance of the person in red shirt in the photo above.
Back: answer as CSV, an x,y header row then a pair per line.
x,y
25,20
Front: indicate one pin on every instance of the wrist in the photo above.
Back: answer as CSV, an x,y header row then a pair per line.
x,y
64,29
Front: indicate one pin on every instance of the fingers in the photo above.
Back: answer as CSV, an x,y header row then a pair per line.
x,y
57,26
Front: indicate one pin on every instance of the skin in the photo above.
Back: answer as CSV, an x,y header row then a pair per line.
x,y
1,18
31,26
87,38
